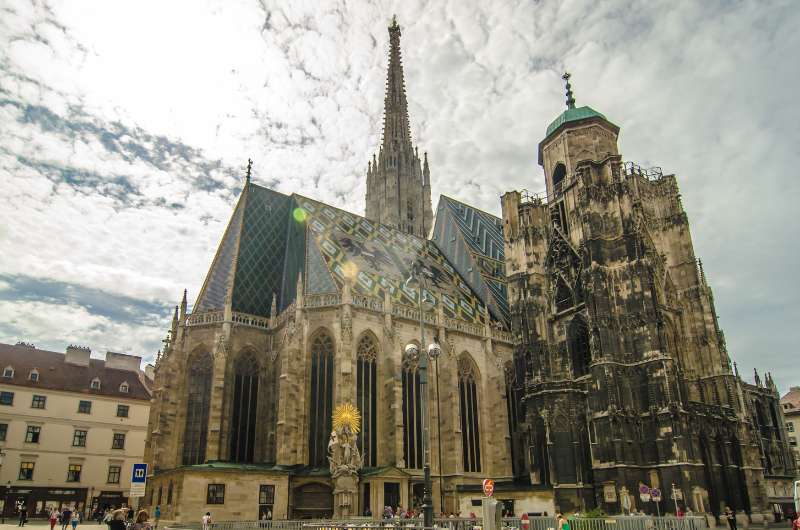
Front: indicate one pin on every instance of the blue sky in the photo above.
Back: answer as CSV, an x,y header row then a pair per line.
x,y
126,127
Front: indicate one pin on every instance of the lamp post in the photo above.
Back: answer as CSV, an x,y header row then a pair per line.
x,y
418,274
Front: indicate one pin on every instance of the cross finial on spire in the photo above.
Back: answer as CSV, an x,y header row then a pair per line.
x,y
570,98
249,169
394,22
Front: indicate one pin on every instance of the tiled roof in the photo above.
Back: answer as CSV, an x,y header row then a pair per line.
x,y
56,374
792,397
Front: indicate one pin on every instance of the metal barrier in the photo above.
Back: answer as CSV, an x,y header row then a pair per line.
x,y
633,522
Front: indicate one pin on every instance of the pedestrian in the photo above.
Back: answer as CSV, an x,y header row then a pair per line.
x,y
561,522
142,521
117,520
157,514
66,516
76,518
796,522
207,521
23,513
53,518
730,515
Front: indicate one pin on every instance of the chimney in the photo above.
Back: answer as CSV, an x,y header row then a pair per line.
x,y
150,372
78,355
123,361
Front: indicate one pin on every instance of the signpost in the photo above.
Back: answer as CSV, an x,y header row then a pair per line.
x,y
644,493
138,480
655,496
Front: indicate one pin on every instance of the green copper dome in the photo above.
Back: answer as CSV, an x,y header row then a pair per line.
x,y
573,114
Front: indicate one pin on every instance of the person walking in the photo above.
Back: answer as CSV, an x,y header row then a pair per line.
x,y
142,521
207,521
53,518
730,515
157,515
76,518
117,521
23,513
66,517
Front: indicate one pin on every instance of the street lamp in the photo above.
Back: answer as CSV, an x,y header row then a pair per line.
x,y
418,275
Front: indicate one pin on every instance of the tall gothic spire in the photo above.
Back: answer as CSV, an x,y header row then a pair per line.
x,y
398,186
395,110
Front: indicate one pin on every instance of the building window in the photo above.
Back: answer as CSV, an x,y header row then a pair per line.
x,y
215,494
6,398
412,415
95,384
122,411
198,400
321,403
366,399
38,402
160,494
118,442
3,431
266,494
124,387
85,407
32,434
468,401
793,441
245,407
74,473
79,438
8,372
33,375
169,493
113,474
26,470
578,346
790,426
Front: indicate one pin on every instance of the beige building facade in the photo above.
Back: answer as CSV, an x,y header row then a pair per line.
x,y
71,427
790,403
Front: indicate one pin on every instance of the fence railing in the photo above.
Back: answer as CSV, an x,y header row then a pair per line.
x,y
510,523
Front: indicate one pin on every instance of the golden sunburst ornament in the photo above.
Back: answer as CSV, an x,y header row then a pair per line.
x,y
346,414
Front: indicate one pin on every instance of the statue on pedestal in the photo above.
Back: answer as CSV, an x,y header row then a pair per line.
x,y
345,460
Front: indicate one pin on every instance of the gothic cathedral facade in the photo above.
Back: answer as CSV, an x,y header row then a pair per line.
x,y
622,368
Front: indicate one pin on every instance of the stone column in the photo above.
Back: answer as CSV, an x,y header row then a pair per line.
x,y
221,352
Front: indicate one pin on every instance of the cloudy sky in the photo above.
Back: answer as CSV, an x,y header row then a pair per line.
x,y
124,128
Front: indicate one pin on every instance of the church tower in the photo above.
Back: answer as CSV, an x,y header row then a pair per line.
x,y
398,181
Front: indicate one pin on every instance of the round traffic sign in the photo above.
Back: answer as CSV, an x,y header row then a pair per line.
x,y
488,487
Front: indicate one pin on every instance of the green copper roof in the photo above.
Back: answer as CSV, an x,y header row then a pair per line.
x,y
581,113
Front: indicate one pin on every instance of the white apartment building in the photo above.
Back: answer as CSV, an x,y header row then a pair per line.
x,y
71,427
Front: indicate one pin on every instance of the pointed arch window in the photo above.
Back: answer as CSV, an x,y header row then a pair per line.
x,y
321,402
198,401
468,402
245,406
578,345
563,296
559,173
412,415
366,396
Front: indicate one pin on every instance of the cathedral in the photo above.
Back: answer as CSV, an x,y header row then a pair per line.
x,y
580,356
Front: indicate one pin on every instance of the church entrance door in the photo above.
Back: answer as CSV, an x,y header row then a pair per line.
x,y
312,501
391,494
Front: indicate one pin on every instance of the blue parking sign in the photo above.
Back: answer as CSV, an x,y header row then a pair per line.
x,y
139,474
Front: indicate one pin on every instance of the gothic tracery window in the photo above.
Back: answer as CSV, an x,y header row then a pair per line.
x,y
367,393
245,406
412,415
321,402
198,400
468,401
578,345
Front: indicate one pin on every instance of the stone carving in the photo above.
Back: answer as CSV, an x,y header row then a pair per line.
x,y
345,460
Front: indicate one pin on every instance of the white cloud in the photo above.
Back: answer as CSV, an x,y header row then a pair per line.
x,y
704,90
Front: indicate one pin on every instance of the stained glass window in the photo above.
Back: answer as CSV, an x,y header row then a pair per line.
x,y
321,403
412,415
198,401
245,405
468,401
367,395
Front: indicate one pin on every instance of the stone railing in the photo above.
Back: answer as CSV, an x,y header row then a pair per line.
x,y
322,300
205,319
368,302
502,335
250,320
335,299
464,327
